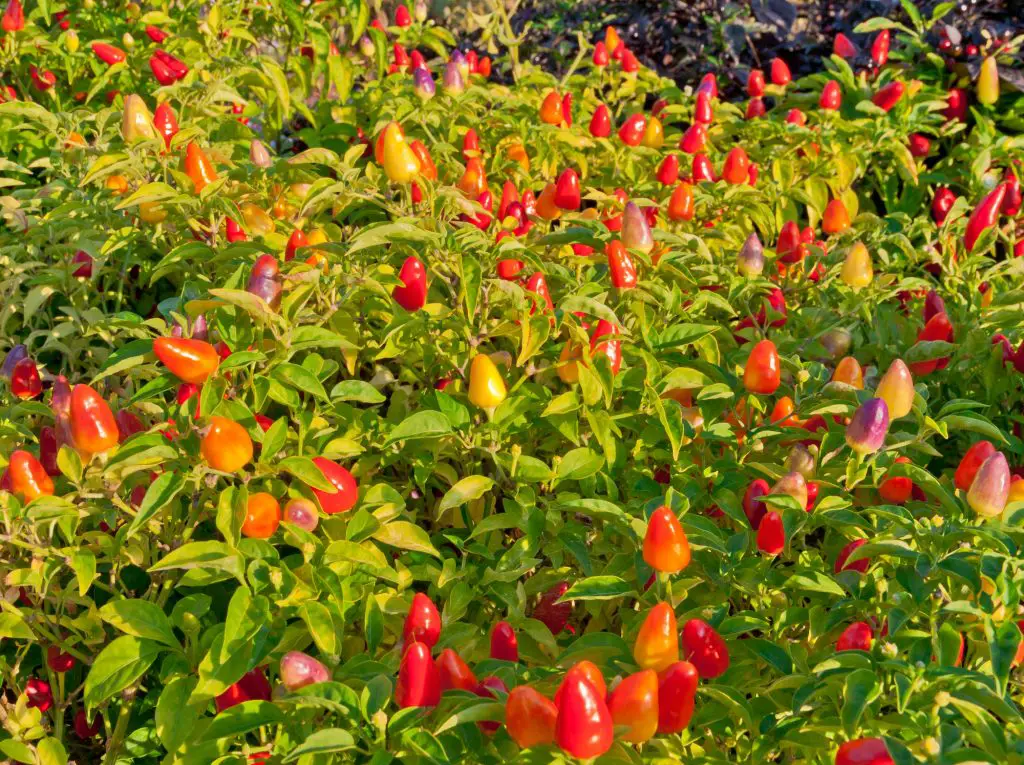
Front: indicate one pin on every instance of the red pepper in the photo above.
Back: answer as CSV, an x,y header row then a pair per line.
x,y
780,72
1013,199
937,328
755,83
942,204
156,34
108,54
704,648
453,672
702,169
412,295
165,123
601,122
887,97
864,751
176,65
612,349
553,615
538,286
584,727
422,623
419,682
985,215
694,139
567,190
620,266
668,171
161,71
702,112
14,17
504,645
632,130
677,687
880,48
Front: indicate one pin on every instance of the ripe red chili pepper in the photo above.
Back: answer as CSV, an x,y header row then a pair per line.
x,y
28,478
771,534
412,295
188,359
504,644
753,507
567,190
880,48
780,73
611,349
419,682
156,34
530,717
253,686
666,547
938,327
583,727
703,114
632,130
704,648
864,751
985,215
554,615
620,266
857,637
108,54
860,566
453,672
422,623
93,427
346,490
702,169
695,139
668,170
677,687
634,705
755,83
942,204
887,97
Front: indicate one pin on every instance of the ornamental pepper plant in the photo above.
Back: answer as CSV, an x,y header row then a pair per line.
x,y
370,398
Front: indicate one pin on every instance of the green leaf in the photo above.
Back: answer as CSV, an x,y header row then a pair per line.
x,y
175,717
51,752
357,390
320,625
141,619
423,424
598,588
322,742
117,666
210,555
469,488
407,536
159,495
243,718
859,690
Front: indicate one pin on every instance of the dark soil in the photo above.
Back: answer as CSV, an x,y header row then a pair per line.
x,y
684,40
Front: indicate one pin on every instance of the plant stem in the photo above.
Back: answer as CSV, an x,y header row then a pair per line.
x,y
121,728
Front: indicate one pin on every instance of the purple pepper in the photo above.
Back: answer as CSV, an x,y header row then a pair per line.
x,y
423,82
16,354
453,82
866,432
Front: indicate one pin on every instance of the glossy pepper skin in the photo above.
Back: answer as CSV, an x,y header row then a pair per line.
x,y
634,704
985,215
419,682
888,96
262,516
27,476
771,534
412,295
226,446
253,686
93,427
937,328
677,687
736,167
704,648
632,130
583,727
422,623
530,717
860,566
990,488
896,388
856,637
25,381
753,507
657,644
620,266
504,644
681,203
971,462
666,547
346,490
601,122
453,673
165,123
198,167
609,348
864,751
763,372
486,388
988,82
107,53
567,190
191,361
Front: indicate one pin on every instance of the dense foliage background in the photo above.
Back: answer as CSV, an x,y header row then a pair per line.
x,y
462,328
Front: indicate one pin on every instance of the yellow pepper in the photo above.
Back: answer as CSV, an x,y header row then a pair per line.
x,y
486,388
137,122
857,271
